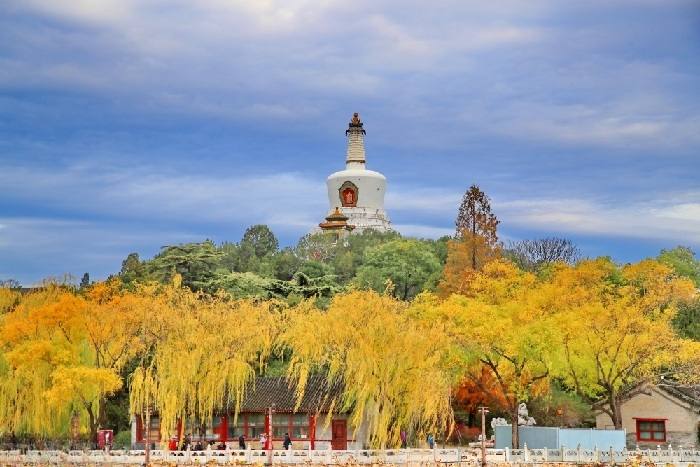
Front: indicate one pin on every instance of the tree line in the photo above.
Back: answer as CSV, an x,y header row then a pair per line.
x,y
416,331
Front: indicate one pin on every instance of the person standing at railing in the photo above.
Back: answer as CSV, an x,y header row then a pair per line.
x,y
241,442
287,441
431,441
404,443
263,441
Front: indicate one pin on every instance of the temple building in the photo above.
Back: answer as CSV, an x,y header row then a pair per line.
x,y
355,195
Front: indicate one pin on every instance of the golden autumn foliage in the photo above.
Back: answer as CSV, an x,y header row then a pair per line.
x,y
392,368
203,350
615,326
603,329
63,352
37,336
504,334
465,257
9,299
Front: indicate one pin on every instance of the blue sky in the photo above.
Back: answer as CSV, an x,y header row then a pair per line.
x,y
126,125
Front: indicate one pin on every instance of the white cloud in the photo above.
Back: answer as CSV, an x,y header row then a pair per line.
x,y
422,231
148,192
422,200
585,217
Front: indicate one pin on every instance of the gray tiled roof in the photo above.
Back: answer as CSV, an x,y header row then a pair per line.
x,y
689,394
261,393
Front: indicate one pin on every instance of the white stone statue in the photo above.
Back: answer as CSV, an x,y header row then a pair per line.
x,y
498,421
523,417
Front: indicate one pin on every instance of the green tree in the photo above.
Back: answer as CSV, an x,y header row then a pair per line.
x,y
85,281
241,285
560,407
261,240
345,256
410,265
350,255
317,247
132,269
682,260
196,263
687,319
230,257
440,248
314,269
285,264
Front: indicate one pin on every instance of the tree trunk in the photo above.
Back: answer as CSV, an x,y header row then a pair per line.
x,y
92,422
616,409
515,438
101,412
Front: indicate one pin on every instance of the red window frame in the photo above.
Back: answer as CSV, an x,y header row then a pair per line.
x,y
653,427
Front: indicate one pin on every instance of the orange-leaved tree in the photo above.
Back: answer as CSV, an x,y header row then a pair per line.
x,y
475,242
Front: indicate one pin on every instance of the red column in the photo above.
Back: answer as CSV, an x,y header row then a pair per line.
x,y
312,430
224,427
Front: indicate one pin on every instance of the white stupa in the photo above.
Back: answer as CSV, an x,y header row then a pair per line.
x,y
356,192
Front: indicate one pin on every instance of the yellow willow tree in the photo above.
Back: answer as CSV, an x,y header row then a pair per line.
x,y
51,368
36,337
111,321
616,328
393,371
202,351
503,328
42,344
